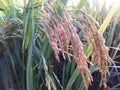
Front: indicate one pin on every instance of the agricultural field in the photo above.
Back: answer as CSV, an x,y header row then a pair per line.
x,y
59,45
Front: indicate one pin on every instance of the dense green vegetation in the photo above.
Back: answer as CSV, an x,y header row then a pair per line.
x,y
28,59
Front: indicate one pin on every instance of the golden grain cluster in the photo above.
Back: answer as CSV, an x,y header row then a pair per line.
x,y
63,38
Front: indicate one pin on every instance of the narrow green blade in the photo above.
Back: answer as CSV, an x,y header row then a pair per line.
x,y
4,74
28,26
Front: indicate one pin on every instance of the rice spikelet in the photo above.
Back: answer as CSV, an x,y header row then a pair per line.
x,y
99,49
60,34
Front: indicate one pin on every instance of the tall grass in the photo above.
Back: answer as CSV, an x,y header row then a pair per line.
x,y
40,49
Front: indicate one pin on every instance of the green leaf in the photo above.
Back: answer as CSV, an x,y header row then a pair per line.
x,y
81,3
28,26
111,33
4,74
3,5
29,38
64,1
1,9
72,79
108,18
12,64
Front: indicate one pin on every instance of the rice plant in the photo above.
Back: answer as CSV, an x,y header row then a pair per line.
x,y
46,45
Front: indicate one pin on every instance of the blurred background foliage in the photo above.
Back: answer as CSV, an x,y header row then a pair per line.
x,y
27,61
